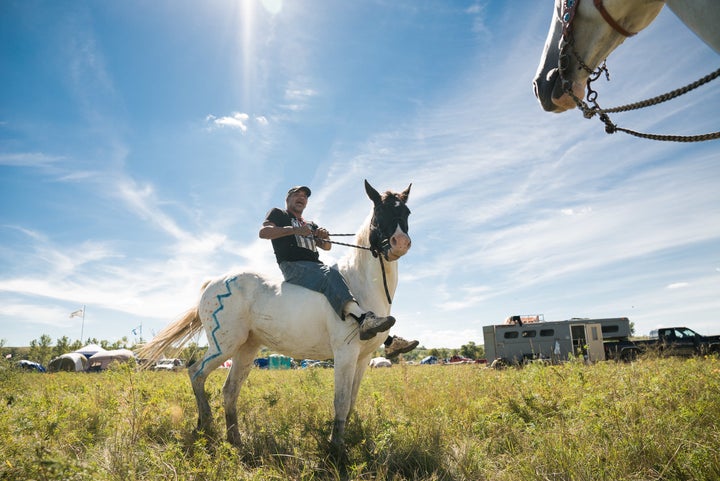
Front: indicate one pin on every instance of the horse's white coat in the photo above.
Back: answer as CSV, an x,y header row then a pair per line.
x,y
702,17
241,312
595,39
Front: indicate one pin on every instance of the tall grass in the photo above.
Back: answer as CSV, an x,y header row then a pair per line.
x,y
655,419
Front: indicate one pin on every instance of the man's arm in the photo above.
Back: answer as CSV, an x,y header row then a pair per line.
x,y
271,231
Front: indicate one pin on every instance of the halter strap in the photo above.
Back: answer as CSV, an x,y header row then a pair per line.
x,y
611,21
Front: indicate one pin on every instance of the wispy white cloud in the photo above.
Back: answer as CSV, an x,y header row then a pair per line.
x,y
141,199
28,159
237,120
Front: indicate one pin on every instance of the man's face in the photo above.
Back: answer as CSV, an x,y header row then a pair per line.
x,y
297,201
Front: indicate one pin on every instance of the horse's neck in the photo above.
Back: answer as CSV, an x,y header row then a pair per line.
x,y
702,17
364,275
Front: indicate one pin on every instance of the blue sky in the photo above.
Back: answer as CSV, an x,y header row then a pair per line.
x,y
142,143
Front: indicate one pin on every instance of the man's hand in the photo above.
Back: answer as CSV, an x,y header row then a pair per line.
x,y
322,233
322,236
304,230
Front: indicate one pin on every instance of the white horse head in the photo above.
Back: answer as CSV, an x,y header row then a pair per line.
x,y
583,34
243,311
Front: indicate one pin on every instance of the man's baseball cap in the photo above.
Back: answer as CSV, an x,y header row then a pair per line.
x,y
299,188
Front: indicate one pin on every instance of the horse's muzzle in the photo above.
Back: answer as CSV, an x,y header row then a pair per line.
x,y
550,91
397,246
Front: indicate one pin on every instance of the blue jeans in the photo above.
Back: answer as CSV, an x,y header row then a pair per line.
x,y
319,278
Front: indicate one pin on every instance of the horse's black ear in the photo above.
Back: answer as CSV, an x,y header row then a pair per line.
x,y
372,193
405,194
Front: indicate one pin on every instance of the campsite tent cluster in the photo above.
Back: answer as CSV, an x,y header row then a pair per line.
x,y
89,358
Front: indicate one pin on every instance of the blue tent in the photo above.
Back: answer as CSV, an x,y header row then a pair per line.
x,y
31,366
262,362
429,360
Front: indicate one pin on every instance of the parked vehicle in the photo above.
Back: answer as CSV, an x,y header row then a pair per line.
x,y
169,365
518,342
667,341
459,360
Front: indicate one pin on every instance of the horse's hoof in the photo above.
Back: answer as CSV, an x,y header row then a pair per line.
x,y
233,437
338,453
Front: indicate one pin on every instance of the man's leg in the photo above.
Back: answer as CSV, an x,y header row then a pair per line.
x,y
370,324
329,282
396,345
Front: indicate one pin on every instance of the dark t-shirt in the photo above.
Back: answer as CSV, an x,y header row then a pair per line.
x,y
292,247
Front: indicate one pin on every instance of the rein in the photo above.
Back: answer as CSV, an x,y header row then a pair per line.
x,y
374,252
568,44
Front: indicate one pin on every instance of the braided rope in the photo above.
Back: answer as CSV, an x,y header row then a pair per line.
x,y
669,138
662,98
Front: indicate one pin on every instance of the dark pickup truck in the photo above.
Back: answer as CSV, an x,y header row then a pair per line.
x,y
667,341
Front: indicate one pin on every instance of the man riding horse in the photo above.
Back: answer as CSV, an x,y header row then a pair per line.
x,y
295,242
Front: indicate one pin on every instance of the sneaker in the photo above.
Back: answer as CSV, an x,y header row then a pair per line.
x,y
399,346
370,325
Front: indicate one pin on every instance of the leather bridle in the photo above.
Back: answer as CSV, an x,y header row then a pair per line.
x,y
611,21
568,43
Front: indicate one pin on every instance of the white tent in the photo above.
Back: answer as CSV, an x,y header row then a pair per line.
x,y
89,350
380,362
102,359
72,361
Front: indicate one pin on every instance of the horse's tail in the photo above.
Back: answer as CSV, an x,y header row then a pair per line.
x,y
174,336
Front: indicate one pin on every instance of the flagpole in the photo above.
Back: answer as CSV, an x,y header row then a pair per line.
x,y
82,329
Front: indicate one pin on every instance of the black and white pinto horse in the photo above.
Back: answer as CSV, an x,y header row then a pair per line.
x,y
583,34
243,311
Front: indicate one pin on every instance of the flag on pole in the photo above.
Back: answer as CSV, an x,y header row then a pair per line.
x,y
135,330
78,313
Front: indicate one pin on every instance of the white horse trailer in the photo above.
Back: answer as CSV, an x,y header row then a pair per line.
x,y
553,341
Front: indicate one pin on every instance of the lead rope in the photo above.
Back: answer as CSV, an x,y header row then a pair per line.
x,y
611,128
374,252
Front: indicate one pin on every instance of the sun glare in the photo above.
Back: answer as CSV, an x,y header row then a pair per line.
x,y
248,16
272,6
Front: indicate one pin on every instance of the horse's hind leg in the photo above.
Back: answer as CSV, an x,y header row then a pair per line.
x,y
199,373
241,365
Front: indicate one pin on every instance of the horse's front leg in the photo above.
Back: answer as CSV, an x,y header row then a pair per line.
x,y
360,368
344,376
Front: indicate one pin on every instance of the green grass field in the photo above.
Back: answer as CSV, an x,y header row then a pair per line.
x,y
655,419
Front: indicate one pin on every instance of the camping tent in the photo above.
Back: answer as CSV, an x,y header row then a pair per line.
x,y
101,360
89,350
31,365
429,360
278,361
380,362
71,362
